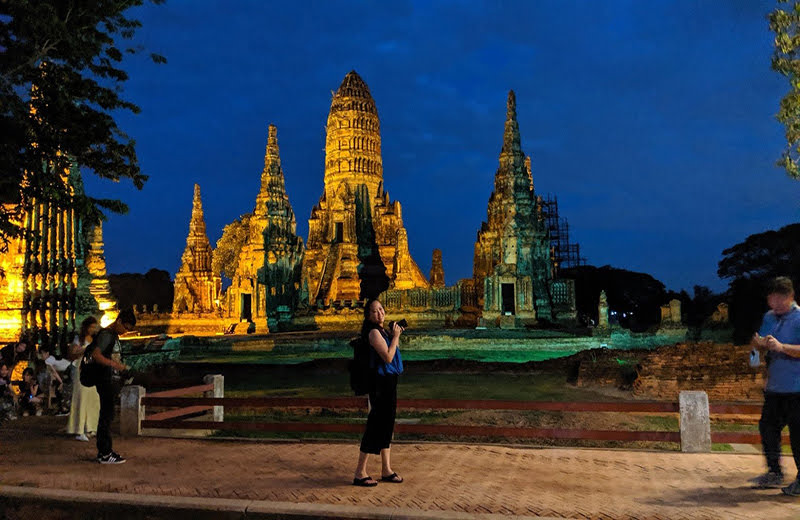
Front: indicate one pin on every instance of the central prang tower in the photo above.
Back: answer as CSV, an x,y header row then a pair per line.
x,y
357,246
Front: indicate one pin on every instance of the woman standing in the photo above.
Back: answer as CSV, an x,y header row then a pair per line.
x,y
386,359
84,411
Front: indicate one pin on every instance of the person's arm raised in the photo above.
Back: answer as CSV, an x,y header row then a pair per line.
x,y
386,353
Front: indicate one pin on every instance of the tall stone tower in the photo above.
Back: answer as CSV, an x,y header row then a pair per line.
x,y
197,287
283,249
357,245
512,262
267,262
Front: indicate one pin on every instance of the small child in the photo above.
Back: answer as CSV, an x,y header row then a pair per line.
x,y
30,400
7,401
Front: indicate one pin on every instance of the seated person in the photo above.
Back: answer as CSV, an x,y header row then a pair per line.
x,y
14,352
60,365
7,398
30,398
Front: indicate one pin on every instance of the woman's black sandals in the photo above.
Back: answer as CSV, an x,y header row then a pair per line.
x,y
364,482
394,478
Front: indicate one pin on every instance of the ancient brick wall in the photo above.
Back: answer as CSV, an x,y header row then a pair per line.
x,y
721,370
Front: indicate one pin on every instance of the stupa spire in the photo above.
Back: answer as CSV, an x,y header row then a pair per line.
x,y
511,138
197,225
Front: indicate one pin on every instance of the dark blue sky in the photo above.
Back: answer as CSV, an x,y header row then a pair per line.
x,y
653,122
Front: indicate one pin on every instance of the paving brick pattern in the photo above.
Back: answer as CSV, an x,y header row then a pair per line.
x,y
559,482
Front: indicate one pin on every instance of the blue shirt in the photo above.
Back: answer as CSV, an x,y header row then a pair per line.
x,y
783,374
395,367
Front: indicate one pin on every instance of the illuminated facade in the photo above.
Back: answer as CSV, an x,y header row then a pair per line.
x,y
357,246
197,287
267,278
512,265
51,277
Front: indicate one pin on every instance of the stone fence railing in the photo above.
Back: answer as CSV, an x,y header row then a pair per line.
x,y
445,299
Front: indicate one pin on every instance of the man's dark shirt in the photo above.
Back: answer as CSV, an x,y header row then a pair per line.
x,y
105,341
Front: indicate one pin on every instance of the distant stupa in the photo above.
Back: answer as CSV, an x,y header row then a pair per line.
x,y
197,287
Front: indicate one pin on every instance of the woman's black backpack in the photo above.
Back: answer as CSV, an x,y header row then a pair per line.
x,y
362,375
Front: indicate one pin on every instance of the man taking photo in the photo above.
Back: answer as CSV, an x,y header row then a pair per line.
x,y
779,335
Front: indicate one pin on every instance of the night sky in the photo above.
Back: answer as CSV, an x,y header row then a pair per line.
x,y
652,122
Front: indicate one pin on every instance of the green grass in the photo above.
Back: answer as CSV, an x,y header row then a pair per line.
x,y
515,387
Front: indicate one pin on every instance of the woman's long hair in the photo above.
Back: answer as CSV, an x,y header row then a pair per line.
x,y
368,324
85,324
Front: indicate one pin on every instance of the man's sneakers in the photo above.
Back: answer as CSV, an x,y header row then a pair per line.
x,y
770,479
111,458
792,489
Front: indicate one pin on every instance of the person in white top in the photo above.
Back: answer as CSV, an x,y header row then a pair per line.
x,y
84,411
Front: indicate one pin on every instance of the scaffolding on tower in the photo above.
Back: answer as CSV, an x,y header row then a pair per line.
x,y
563,254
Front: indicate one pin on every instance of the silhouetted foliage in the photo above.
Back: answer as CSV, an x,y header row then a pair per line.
x,y
151,288
225,257
749,265
785,23
60,89
638,296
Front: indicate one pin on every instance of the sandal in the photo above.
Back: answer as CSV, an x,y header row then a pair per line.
x,y
364,482
393,478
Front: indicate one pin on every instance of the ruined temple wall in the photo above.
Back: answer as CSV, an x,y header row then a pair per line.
x,y
721,370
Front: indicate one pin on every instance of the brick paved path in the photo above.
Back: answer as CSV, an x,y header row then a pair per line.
x,y
560,482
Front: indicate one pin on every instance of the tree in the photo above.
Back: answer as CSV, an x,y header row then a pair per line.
x,y
225,258
59,89
636,297
749,265
785,23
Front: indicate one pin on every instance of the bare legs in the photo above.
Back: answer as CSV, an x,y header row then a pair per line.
x,y
386,464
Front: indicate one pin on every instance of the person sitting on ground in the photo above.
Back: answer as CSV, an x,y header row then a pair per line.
x,y
84,410
14,352
7,397
30,400
61,373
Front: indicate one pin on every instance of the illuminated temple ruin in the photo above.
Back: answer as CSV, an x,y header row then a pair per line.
x,y
266,285
197,287
513,269
54,274
357,246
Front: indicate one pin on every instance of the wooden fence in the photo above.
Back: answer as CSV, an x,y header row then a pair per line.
x,y
694,434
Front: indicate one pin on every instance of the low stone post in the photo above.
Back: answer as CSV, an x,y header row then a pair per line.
x,y
219,391
131,411
695,422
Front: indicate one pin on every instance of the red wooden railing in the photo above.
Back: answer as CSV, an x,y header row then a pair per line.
x,y
192,406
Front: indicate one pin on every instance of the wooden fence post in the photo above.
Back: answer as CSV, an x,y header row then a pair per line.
x,y
131,411
219,391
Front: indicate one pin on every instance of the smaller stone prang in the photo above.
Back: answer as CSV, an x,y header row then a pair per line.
x,y
602,311
437,271
695,422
